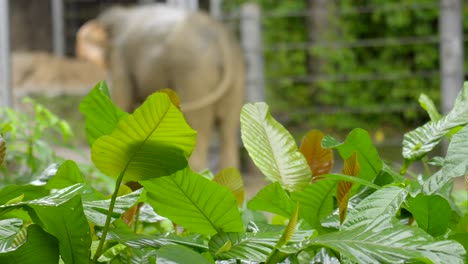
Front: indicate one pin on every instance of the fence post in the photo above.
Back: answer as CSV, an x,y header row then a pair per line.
x,y
251,38
451,51
5,70
58,28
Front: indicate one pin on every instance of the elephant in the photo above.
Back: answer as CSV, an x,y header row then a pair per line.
x,y
151,47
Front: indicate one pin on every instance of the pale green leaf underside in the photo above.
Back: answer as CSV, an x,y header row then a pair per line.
x,y
272,148
378,207
195,203
428,105
398,244
423,139
154,141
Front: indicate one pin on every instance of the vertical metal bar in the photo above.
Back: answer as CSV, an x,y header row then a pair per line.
x,y
251,38
58,28
451,51
5,70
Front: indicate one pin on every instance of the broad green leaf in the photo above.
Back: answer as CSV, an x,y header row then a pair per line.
x,y
154,141
232,179
111,253
378,207
28,192
68,174
9,230
179,254
101,114
191,201
272,148
2,150
67,222
320,159
352,179
274,199
423,139
391,244
38,247
253,246
343,188
126,236
360,142
455,163
432,213
96,211
315,201
428,105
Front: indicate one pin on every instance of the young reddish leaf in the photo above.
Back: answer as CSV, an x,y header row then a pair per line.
x,y
320,160
232,179
2,150
351,168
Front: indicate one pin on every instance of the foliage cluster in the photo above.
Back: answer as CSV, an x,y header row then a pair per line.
x,y
167,213
362,77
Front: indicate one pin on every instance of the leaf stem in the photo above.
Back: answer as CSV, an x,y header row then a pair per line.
x,y
108,218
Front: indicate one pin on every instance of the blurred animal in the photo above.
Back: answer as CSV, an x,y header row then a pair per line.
x,y
152,47
46,74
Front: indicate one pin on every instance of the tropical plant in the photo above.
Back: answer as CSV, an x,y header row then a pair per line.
x,y
366,214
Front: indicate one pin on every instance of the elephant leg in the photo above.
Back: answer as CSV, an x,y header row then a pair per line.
x,y
122,90
203,122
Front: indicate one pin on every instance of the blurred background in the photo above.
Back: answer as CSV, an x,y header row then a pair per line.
x,y
329,65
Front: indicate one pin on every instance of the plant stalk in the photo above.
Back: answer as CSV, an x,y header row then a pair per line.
x,y
108,218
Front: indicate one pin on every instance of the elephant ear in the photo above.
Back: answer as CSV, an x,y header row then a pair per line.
x,y
154,141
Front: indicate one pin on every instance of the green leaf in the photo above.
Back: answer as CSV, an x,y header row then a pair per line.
x,y
111,253
320,159
68,174
354,180
290,228
272,148
67,222
315,201
124,235
96,211
9,230
191,201
232,179
376,208
455,163
179,254
432,213
360,142
2,150
423,139
101,114
154,141
39,247
29,192
244,248
428,105
388,244
274,199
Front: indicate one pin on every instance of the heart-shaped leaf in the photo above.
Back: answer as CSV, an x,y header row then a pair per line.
x,y
154,141
432,213
320,159
272,148
194,202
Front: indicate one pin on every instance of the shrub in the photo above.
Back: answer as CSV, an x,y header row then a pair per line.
x,y
367,214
